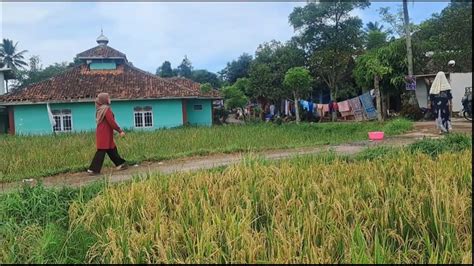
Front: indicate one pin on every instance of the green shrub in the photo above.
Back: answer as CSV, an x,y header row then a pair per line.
x,y
452,142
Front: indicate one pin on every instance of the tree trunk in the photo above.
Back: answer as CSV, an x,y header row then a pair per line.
x,y
297,111
378,98
411,94
384,104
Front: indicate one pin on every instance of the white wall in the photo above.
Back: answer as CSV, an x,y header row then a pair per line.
x,y
459,81
2,83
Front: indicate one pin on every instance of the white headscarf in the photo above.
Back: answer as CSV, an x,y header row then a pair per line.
x,y
440,84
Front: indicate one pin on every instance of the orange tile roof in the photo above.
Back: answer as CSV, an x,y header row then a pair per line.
x,y
124,83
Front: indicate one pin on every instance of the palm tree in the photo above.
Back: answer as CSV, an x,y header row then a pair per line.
x,y
10,57
373,26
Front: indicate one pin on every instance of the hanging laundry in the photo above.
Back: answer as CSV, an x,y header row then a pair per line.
x,y
304,104
325,108
344,106
356,109
370,111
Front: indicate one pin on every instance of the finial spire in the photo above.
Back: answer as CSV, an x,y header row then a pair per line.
x,y
102,40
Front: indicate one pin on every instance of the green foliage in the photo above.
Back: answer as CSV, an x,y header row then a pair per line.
x,y
203,76
234,97
206,88
331,36
397,126
369,65
451,143
185,69
376,39
165,70
10,56
261,81
35,224
272,61
237,69
396,21
449,36
298,81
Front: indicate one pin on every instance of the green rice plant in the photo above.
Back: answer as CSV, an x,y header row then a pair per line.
x,y
451,142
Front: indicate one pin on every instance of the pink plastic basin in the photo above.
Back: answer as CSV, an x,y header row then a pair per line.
x,y
376,135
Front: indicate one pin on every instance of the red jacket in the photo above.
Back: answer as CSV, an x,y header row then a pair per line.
x,y
104,134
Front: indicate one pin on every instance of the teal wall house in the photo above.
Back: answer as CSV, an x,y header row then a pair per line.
x,y
140,100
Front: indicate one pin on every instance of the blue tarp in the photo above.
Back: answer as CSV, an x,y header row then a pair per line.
x,y
370,111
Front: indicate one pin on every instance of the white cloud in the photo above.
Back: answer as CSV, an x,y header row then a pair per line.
x,y
204,32
28,13
210,34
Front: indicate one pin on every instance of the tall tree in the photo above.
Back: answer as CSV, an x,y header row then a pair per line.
x,y
373,26
234,96
204,76
372,66
298,82
35,63
406,21
436,35
268,69
165,70
331,37
185,68
237,69
11,57
375,35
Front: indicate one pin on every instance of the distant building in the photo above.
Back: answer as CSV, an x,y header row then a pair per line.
x,y
140,99
458,81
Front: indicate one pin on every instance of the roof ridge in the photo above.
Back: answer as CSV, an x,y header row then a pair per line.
x,y
157,77
99,46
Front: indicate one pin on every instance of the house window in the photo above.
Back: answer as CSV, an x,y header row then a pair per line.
x,y
198,107
102,64
143,117
63,119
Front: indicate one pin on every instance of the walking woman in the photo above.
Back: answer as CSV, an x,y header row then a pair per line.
x,y
441,102
105,136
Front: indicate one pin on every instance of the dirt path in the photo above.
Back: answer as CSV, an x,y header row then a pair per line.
x,y
421,130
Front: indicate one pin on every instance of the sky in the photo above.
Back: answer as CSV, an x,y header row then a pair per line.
x,y
210,34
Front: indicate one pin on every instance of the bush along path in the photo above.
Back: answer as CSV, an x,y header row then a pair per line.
x,y
208,162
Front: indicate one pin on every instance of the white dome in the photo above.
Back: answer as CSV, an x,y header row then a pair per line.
x,y
102,39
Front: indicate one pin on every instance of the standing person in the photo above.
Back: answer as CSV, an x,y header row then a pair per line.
x,y
333,110
106,125
441,102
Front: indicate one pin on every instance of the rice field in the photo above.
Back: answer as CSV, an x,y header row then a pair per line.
x,y
37,156
415,207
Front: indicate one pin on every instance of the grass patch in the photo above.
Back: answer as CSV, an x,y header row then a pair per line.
x,y
451,142
37,156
